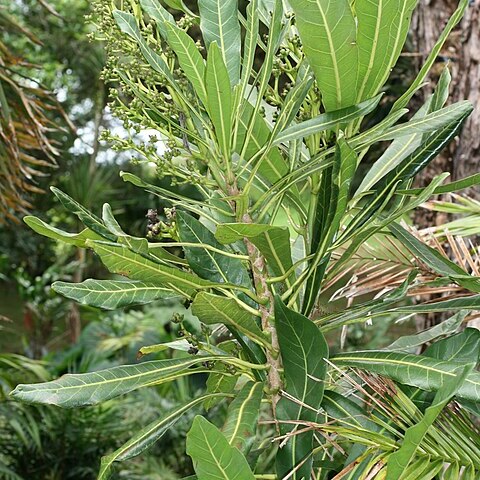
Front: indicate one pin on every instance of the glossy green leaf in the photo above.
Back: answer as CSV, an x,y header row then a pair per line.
x,y
399,149
74,390
382,28
250,44
112,294
189,58
212,309
242,416
418,371
304,350
213,457
90,220
467,182
219,98
328,32
77,239
160,14
432,57
333,199
119,259
399,460
447,327
148,435
273,166
327,121
209,264
219,23
462,347
272,241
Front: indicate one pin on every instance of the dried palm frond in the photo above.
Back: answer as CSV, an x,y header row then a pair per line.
x,y
382,264
26,127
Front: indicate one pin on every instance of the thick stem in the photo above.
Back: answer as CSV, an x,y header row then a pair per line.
x,y
259,270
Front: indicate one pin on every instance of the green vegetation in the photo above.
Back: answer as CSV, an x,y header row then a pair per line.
x,y
274,247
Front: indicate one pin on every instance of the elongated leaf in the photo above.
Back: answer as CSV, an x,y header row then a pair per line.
x,y
219,98
273,166
77,239
452,22
273,242
434,259
190,59
112,294
433,122
399,460
462,347
467,182
219,23
90,220
160,14
327,121
242,416
447,327
399,149
74,390
303,349
146,437
208,264
382,29
332,205
250,44
415,370
212,309
128,25
213,457
119,259
328,32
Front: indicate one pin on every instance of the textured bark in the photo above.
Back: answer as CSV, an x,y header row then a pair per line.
x,y
462,52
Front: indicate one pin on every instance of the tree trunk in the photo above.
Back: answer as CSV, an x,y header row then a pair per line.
x,y
462,52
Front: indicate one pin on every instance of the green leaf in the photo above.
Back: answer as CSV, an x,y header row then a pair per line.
x,y
213,457
128,25
74,390
462,347
382,28
332,205
434,259
250,45
432,57
209,264
273,166
119,259
242,416
400,148
160,14
272,241
90,220
112,294
328,32
219,24
399,460
467,182
447,327
417,371
219,99
147,436
303,349
189,58
327,121
77,239
212,309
